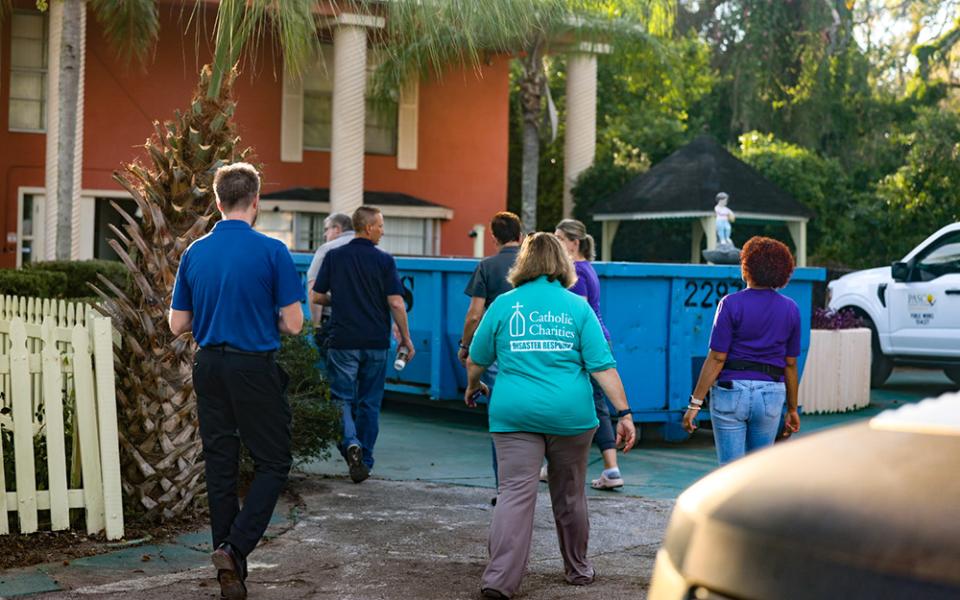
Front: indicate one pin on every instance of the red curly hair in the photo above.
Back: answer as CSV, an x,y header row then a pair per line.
x,y
766,262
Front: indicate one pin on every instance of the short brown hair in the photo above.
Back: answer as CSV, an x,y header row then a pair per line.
x,y
542,254
364,216
236,185
766,262
506,227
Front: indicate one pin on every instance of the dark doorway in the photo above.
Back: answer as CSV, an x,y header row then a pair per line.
x,y
107,215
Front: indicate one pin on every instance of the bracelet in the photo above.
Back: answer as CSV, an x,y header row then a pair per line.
x,y
461,346
695,401
692,407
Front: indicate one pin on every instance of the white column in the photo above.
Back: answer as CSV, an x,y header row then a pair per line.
x,y
580,140
77,249
695,239
609,232
478,237
349,112
709,225
55,30
798,231
51,183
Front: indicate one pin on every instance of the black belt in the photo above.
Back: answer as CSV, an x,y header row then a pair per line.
x,y
228,349
749,365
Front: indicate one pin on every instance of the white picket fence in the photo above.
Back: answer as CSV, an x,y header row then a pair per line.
x,y
56,363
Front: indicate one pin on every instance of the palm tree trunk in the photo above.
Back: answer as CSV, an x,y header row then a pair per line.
x,y
531,101
68,83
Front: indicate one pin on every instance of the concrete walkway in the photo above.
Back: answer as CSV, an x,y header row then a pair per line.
x,y
418,529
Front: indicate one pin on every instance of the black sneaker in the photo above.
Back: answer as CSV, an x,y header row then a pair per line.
x,y
231,572
492,593
358,471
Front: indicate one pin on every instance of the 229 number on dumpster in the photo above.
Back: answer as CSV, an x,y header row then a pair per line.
x,y
707,294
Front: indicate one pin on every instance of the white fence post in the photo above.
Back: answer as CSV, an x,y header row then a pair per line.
x,y
87,424
23,428
53,414
107,413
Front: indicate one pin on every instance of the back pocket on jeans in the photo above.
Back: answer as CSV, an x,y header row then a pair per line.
x,y
726,402
773,401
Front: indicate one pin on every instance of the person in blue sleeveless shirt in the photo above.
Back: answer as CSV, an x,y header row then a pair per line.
x,y
751,369
548,344
579,245
237,290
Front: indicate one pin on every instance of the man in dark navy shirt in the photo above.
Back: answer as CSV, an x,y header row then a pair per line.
x,y
237,290
366,290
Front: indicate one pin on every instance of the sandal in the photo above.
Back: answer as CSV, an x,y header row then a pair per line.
x,y
606,483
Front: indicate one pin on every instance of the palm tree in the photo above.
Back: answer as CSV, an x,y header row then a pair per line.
x,y
162,460
131,27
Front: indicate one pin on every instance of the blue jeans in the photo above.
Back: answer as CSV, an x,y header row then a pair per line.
x,y
604,438
356,386
745,417
489,377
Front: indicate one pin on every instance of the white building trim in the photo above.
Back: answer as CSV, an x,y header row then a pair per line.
x,y
644,216
304,206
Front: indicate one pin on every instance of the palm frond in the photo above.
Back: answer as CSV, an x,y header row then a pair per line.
x,y
429,36
131,26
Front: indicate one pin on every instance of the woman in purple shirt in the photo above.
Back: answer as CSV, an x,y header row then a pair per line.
x,y
751,370
579,245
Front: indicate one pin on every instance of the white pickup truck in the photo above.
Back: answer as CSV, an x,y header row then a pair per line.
x,y
912,307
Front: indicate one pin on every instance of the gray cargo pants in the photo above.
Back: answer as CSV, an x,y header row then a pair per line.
x,y
519,456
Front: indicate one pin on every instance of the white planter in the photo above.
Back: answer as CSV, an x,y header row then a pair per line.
x,y
836,377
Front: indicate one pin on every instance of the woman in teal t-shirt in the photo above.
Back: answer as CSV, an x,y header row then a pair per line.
x,y
548,343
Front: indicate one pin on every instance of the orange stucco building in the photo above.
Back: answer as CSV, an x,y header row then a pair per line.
x,y
441,161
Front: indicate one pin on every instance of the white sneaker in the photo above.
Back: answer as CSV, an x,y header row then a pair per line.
x,y
543,473
606,483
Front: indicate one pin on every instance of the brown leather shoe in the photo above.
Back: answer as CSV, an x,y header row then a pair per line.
x,y
230,572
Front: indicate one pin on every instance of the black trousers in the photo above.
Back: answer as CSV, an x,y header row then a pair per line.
x,y
242,398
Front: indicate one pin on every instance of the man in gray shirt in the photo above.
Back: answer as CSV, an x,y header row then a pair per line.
x,y
488,281
337,231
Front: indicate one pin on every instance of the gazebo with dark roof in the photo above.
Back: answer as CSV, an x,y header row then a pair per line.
x,y
684,186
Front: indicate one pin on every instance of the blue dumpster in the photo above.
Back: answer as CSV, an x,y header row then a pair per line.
x,y
659,316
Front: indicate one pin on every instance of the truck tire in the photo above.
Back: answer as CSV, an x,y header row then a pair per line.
x,y
880,365
953,373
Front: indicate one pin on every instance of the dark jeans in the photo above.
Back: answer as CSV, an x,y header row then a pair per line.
x,y
605,438
321,337
241,397
356,385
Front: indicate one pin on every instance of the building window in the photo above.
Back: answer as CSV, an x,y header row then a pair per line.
x,y
277,224
408,235
309,231
28,72
303,232
381,120
30,238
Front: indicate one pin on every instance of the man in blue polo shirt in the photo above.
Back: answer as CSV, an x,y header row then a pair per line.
x,y
366,291
237,290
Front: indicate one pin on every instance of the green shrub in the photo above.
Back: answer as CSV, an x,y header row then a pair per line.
x,y
36,284
316,420
81,272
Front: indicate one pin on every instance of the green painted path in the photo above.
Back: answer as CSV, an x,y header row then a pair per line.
x,y
448,443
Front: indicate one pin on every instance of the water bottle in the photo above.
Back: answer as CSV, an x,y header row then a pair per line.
x,y
401,360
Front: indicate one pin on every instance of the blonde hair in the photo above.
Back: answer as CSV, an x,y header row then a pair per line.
x,y
542,254
577,231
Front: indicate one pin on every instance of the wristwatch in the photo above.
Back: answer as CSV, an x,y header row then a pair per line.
x,y
624,413
461,346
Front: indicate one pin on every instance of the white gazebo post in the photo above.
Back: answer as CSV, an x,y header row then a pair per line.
x,y
798,231
580,141
349,110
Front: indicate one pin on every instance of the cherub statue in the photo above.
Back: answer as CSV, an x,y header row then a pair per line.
x,y
725,217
